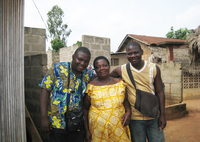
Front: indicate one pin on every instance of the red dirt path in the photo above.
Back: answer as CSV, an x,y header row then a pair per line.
x,y
187,128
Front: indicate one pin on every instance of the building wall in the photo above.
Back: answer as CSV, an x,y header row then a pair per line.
x,y
171,75
52,58
181,55
67,52
158,54
191,85
34,70
121,58
34,41
98,46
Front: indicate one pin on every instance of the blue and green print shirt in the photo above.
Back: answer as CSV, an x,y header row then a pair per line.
x,y
56,81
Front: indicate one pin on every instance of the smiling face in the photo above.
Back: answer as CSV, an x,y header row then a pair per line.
x,y
102,68
80,61
134,55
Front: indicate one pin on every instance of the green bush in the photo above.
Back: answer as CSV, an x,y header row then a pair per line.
x,y
56,44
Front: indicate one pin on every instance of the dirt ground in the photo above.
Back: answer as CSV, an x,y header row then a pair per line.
x,y
187,128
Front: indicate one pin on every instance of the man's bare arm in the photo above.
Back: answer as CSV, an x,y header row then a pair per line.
x,y
87,103
160,93
45,122
117,73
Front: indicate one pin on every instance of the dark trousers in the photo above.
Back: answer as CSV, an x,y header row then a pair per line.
x,y
60,135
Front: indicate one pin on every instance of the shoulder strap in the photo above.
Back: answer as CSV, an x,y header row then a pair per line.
x,y
130,74
81,90
68,87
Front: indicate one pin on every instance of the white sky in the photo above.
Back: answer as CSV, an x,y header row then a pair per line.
x,y
115,18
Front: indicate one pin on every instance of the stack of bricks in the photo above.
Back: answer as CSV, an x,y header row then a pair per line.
x,y
34,41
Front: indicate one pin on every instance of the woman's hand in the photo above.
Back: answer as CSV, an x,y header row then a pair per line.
x,y
88,136
126,118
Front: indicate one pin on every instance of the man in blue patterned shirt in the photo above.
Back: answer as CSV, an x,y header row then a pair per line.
x,y
53,98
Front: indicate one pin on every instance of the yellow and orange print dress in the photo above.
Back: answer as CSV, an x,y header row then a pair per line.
x,y
106,111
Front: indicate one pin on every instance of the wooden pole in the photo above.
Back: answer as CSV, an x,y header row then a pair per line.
x,y
12,102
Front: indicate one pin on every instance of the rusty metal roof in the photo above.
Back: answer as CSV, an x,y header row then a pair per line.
x,y
155,40
150,40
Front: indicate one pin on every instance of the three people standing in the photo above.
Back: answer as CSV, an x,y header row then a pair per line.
x,y
107,100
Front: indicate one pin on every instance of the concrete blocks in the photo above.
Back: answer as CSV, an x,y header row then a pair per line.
x,y
98,46
175,111
34,41
40,59
99,40
34,70
95,47
87,39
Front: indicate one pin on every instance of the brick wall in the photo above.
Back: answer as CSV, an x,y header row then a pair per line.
x,y
34,70
171,74
52,58
34,41
98,46
67,52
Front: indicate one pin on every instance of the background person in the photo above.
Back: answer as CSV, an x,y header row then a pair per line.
x,y
54,86
104,106
147,78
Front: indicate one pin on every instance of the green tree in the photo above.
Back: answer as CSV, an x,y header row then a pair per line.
x,y
55,25
78,43
179,34
56,44
171,33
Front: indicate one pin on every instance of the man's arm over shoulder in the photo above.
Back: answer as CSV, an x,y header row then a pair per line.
x,y
160,93
116,72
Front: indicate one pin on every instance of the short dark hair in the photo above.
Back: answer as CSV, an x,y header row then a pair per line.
x,y
84,50
98,58
133,43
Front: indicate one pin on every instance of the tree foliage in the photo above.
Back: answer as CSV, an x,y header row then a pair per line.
x,y
56,28
78,43
179,34
56,44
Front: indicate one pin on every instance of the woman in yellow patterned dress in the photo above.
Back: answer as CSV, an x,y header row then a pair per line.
x,y
106,109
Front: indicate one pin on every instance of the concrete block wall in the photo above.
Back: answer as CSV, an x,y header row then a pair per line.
x,y
67,52
175,111
34,41
34,70
171,74
52,58
98,46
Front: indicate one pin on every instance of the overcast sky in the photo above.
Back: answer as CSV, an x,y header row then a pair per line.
x,y
115,18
